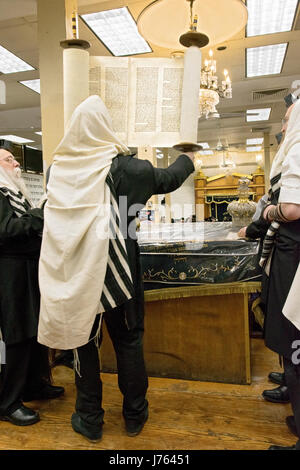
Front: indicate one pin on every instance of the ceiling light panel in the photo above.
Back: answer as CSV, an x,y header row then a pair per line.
x,y
255,141
261,114
253,149
34,85
204,145
118,31
10,63
39,133
270,16
265,60
15,139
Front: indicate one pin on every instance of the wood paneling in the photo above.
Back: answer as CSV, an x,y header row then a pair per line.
x,y
199,333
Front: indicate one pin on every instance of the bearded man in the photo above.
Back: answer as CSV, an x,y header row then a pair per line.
x,y
25,376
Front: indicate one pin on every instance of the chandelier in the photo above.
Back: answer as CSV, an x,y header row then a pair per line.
x,y
210,90
227,165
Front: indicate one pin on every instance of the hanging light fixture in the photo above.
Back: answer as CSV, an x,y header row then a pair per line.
x,y
227,165
210,91
163,21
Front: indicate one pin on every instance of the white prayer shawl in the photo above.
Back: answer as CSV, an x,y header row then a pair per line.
x,y
290,193
74,255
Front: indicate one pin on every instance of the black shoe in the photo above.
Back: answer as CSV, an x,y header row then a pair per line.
x,y
46,392
133,428
291,424
282,448
23,416
88,431
277,378
277,395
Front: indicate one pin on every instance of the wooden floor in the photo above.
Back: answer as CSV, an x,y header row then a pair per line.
x,y
184,415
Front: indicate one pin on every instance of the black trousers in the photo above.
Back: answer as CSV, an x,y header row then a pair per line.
x,y
132,376
26,368
292,378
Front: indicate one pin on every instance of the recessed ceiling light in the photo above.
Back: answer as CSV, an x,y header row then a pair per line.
x,y
39,133
255,141
261,114
270,16
118,31
15,139
34,85
10,63
253,149
265,60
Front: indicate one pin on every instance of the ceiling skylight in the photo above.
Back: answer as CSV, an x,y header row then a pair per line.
x,y
34,85
265,60
255,141
118,31
262,114
10,63
15,139
270,16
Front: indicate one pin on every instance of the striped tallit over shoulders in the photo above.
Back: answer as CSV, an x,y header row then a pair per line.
x,y
118,286
17,201
269,240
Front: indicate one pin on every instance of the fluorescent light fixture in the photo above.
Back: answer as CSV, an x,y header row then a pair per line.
x,y
270,16
34,85
265,60
15,139
206,152
255,141
205,145
10,63
262,114
254,149
118,31
39,133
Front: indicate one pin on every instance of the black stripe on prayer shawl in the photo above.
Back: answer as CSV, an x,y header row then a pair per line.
x,y
105,303
268,243
118,287
118,242
18,202
275,179
118,263
113,287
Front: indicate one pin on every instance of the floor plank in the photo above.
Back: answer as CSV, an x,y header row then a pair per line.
x,y
184,415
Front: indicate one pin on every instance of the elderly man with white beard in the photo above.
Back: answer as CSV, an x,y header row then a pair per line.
x,y
25,375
